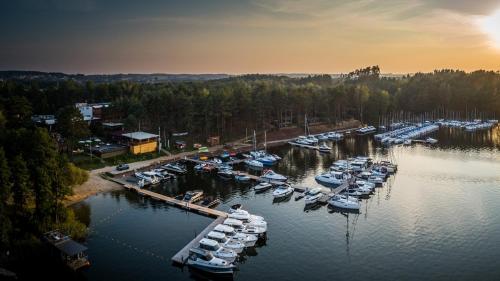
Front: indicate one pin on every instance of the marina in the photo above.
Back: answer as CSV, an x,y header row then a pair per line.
x,y
278,212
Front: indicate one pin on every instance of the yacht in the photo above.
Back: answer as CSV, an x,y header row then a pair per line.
x,y
267,160
193,196
252,163
147,179
205,261
366,130
344,202
431,141
175,167
238,225
241,177
313,196
245,216
282,191
375,179
324,148
270,175
234,208
332,178
230,243
218,251
225,174
248,240
262,186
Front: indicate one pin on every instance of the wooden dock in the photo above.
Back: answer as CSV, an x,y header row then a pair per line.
x,y
183,254
178,203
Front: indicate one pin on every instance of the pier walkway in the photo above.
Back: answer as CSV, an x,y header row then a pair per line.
x,y
178,203
183,254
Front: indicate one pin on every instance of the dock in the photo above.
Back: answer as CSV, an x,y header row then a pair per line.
x,y
315,147
183,254
178,203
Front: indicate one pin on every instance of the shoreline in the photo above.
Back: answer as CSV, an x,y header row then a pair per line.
x,y
97,184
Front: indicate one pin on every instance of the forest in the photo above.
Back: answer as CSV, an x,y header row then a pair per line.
x,y
227,106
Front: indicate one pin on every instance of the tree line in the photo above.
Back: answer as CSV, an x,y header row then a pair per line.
x,y
34,181
226,107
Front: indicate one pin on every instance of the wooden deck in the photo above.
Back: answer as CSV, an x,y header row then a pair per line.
x,y
178,203
183,254
315,147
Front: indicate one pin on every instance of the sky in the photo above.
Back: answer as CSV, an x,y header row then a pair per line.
x,y
248,36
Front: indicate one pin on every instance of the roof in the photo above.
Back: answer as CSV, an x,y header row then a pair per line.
x,y
140,135
70,247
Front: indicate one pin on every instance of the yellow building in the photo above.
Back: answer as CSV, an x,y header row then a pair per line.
x,y
141,142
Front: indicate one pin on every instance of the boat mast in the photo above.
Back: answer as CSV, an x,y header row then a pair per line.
x,y
265,141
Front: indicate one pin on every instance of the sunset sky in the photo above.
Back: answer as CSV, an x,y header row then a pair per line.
x,y
248,36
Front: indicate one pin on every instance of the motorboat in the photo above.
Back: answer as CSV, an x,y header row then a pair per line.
x,y
344,202
267,160
204,260
239,225
270,175
234,208
375,179
282,191
431,141
241,177
193,196
248,240
332,178
147,179
175,167
230,243
313,196
366,130
217,250
245,216
407,142
252,163
262,186
225,174
301,195
324,148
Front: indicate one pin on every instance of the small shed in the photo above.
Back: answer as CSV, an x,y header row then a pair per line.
x,y
141,142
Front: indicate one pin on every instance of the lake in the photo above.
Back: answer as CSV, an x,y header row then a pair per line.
x,y
437,218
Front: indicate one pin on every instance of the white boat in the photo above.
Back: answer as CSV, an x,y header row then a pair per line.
x,y
324,148
225,174
282,191
234,208
375,179
248,240
232,244
407,142
270,175
205,261
344,202
252,163
241,178
239,225
176,168
313,196
146,179
217,250
332,178
431,141
245,216
262,186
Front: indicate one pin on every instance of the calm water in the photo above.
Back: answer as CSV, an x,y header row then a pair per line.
x,y
436,219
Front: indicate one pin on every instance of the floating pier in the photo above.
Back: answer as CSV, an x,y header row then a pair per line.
x,y
183,254
178,203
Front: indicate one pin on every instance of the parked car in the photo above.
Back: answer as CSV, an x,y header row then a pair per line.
x,y
122,167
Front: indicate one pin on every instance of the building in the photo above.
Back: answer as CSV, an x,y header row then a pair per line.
x,y
141,142
92,111
73,254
